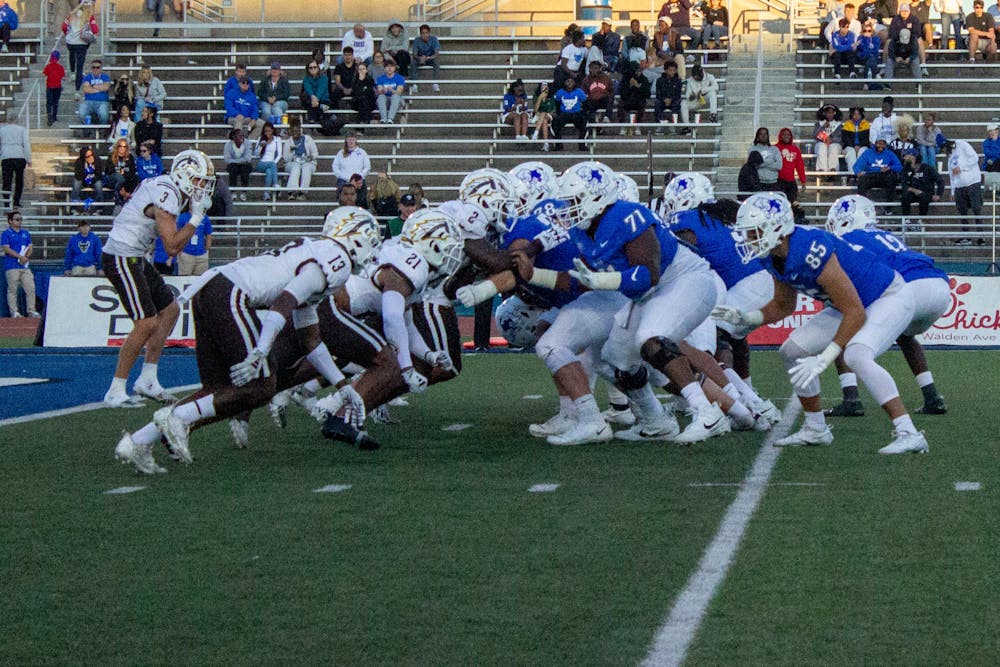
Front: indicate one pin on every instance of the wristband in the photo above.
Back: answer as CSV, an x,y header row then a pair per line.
x,y
544,278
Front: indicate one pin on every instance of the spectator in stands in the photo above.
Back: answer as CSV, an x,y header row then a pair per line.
x,y
361,41
238,156
149,164
869,48
72,27
222,202
922,12
843,49
928,137
701,90
267,152
357,181
600,90
853,24
8,24
714,24
344,74
385,196
994,11
396,45
514,110
907,45
149,129
88,172
612,46
570,62
15,156
669,90
903,51
319,57
16,247
407,205
241,107
792,165
363,95
771,161
377,66
877,167
883,126
300,154
347,195
273,92
233,82
122,92
122,126
351,159
569,111
595,52
545,111
991,148
635,90
119,165
869,12
919,183
417,191
679,13
982,32
828,133
148,90
567,36
315,93
54,74
389,87
192,260
834,12
952,15
664,42
83,252
162,262
748,180
635,43
95,104
966,189
903,141
426,49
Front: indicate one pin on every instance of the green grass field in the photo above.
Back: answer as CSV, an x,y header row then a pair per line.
x,y
438,554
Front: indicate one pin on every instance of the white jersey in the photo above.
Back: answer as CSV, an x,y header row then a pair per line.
x,y
133,231
366,295
263,277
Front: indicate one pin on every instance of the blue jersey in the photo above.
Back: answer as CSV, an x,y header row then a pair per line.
x,y
621,223
910,264
808,252
716,244
559,258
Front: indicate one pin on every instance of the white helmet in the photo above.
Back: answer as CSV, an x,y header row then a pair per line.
x,y
628,188
357,231
193,174
588,188
762,221
849,213
534,181
687,191
438,239
495,192
518,322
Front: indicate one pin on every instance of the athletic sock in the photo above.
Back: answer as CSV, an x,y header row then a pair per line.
x,y
695,397
815,420
566,406
739,411
147,435
904,424
645,401
118,385
732,392
586,408
148,373
743,386
849,386
203,408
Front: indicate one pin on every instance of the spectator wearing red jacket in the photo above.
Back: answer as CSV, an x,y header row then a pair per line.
x,y
791,165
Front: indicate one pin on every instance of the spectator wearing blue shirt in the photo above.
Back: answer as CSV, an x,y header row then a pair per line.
x,y
193,258
241,106
163,262
83,252
15,244
843,44
8,24
991,148
426,49
877,168
569,111
95,95
389,87
148,164
869,47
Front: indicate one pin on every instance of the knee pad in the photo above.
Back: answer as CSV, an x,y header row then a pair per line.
x,y
631,380
660,351
857,355
554,356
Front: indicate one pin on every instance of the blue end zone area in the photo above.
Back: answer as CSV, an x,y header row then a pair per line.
x,y
66,378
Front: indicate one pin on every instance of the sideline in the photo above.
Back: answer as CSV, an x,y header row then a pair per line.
x,y
86,407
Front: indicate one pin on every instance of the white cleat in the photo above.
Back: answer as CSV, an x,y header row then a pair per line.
x,y
241,432
558,423
752,422
581,433
380,415
706,424
767,409
904,443
303,398
278,407
175,431
154,391
399,402
140,456
615,416
807,437
662,427
120,399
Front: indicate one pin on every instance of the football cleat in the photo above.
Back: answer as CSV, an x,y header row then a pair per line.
x,y
398,402
767,409
122,400
152,390
847,408
706,424
335,428
175,431
380,415
613,415
807,437
933,407
241,432
903,443
303,398
141,456
662,427
278,407
558,423
583,432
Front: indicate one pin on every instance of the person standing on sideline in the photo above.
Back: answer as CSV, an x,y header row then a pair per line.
x,y
193,259
963,165
54,74
15,243
15,155
83,252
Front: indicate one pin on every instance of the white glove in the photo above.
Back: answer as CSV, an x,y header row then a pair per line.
x,y
414,380
441,359
737,317
345,400
253,367
199,206
552,237
475,293
808,369
602,280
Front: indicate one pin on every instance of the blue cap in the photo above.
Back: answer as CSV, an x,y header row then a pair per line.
x,y
55,55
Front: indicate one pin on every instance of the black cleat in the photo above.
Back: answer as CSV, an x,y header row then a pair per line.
x,y
933,407
335,428
852,408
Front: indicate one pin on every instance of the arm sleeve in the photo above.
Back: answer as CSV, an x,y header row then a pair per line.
x,y
394,326
310,280
418,347
271,325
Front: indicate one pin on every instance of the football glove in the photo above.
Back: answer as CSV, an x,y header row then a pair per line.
x,y
346,402
253,367
414,380
441,359
595,280
808,369
737,317
476,293
552,237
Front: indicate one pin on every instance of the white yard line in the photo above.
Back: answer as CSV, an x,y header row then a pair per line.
x,y
86,407
542,488
674,637
968,486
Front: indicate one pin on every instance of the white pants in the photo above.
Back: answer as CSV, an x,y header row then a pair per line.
x,y
752,293
713,105
300,175
827,156
931,298
851,156
585,322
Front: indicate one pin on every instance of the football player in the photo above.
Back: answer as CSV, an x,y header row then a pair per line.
x,y
852,218
867,307
152,211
